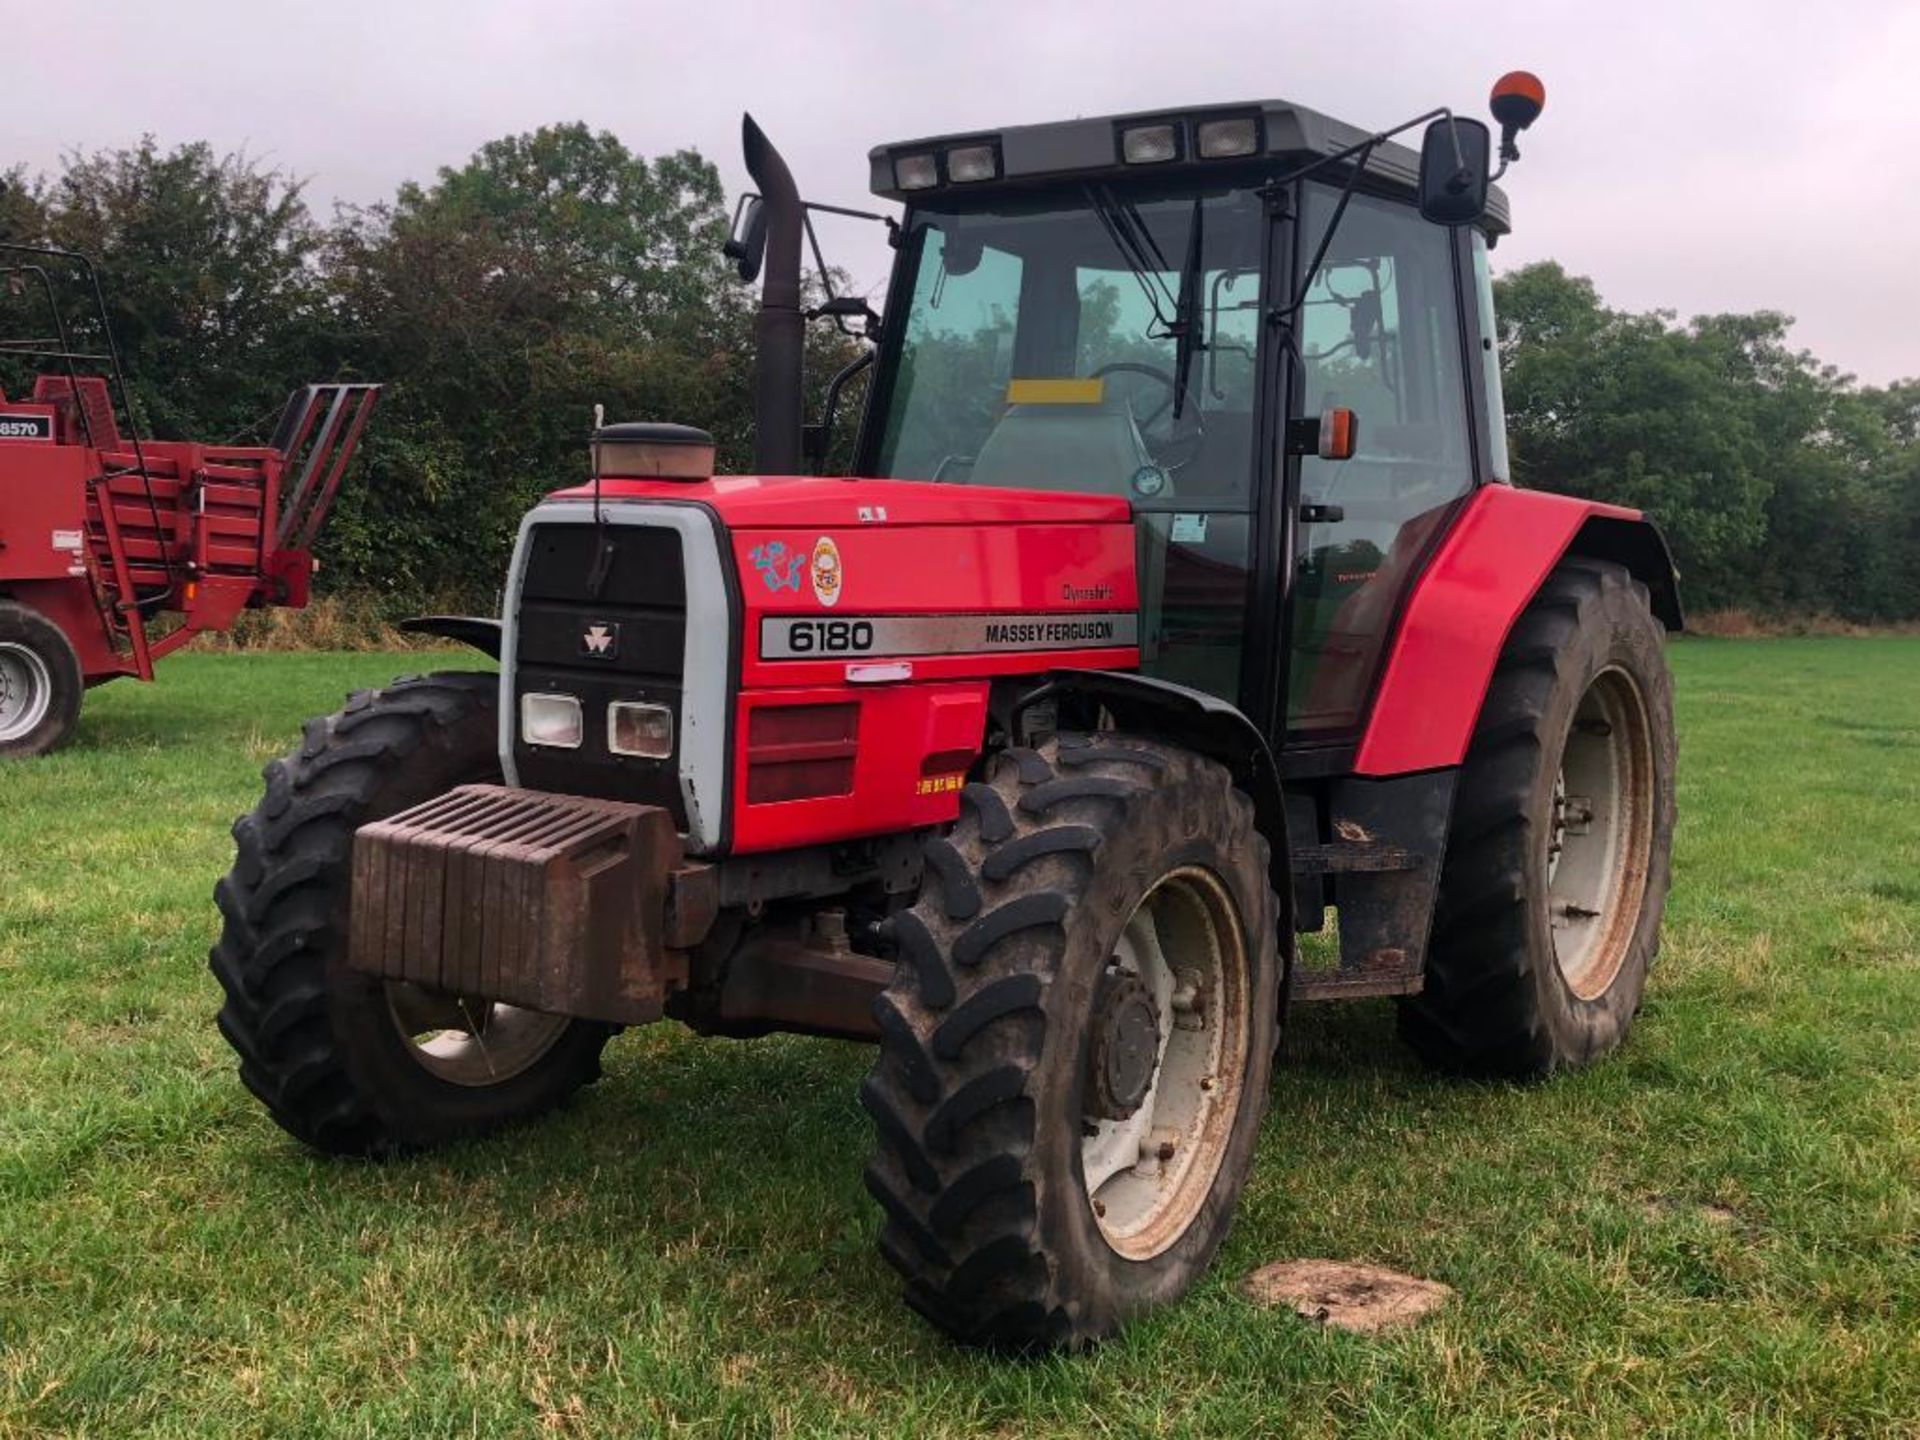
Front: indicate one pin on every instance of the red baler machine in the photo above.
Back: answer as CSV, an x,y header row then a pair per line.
x,y
116,550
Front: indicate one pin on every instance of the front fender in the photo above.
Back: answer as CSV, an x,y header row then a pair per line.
x,y
1201,722
482,633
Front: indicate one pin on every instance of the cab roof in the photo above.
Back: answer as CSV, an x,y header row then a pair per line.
x,y
1090,148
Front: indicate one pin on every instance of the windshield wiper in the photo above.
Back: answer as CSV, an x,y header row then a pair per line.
x,y
1186,337
1128,230
1124,226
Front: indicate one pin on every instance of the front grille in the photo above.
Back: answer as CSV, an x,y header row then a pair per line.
x,y
623,638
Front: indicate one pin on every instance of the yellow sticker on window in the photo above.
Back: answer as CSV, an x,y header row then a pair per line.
x,y
1056,392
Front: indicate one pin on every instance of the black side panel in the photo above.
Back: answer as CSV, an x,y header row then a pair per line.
x,y
1383,859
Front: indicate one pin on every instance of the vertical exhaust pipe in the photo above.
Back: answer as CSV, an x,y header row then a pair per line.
x,y
779,329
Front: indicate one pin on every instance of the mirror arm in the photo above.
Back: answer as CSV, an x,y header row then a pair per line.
x,y
820,435
1287,312
819,260
1367,145
807,207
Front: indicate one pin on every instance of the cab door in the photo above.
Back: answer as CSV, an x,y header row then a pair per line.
x,y
1380,334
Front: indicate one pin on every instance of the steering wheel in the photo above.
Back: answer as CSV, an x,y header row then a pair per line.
x,y
1182,436
1152,372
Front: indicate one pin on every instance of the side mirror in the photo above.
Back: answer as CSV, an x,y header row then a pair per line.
x,y
1455,158
747,244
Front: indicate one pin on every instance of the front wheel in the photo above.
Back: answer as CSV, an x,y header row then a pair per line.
x,y
1077,1043
40,683
347,1062
1557,862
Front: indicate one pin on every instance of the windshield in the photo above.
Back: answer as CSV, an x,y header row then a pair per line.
x,y
1045,340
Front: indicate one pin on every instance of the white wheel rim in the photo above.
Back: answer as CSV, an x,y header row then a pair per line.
x,y
470,1042
1148,1175
1599,835
26,691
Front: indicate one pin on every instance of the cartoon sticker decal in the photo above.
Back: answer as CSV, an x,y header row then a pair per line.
x,y
779,567
826,572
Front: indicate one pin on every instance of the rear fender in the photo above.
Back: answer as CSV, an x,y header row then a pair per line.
x,y
1202,723
1460,611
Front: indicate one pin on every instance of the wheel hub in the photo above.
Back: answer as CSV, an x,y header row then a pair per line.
x,y
26,691
1599,833
1164,1061
1126,1047
470,1041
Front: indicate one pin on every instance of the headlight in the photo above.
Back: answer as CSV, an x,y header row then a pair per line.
x,y
1150,144
967,163
551,720
634,728
1219,139
916,172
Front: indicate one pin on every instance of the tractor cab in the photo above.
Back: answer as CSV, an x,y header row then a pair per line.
x,y
1178,309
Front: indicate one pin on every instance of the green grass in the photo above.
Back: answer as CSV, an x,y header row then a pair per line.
x,y
1716,1232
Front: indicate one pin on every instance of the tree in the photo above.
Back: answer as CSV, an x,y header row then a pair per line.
x,y
1771,474
552,271
207,266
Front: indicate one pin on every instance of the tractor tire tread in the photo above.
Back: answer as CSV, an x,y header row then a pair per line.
x,y
1477,1013
962,1030
279,909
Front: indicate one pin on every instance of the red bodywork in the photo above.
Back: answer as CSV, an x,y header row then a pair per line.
x,y
91,522
908,548
904,549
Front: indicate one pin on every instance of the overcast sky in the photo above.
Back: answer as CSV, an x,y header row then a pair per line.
x,y
1696,155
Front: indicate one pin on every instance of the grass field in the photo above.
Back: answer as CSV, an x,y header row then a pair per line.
x,y
1717,1232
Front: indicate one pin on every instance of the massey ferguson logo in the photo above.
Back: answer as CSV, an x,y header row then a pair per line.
x,y
600,640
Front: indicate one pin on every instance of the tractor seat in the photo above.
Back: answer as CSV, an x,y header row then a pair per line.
x,y
1087,449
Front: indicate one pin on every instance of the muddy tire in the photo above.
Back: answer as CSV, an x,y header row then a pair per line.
x,y
1090,890
1557,862
40,683
346,1062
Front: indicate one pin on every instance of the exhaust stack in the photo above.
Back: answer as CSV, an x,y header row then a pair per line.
x,y
779,329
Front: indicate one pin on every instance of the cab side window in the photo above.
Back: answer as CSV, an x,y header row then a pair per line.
x,y
1380,335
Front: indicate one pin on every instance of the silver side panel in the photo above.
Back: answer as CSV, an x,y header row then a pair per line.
x,y
703,704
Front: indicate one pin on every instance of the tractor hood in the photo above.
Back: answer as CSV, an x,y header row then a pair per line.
x,y
825,648
755,501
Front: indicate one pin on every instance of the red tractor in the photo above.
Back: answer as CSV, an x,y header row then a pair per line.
x,y
1177,596
116,551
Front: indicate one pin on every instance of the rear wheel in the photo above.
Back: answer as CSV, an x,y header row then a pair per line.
x,y
347,1062
1557,863
40,683
1076,1046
